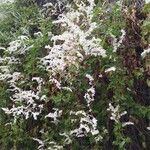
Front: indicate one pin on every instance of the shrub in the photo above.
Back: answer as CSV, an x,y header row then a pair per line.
x,y
74,75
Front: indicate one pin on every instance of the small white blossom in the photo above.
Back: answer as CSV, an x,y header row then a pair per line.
x,y
127,123
115,112
91,79
38,34
117,44
148,128
41,143
110,69
57,113
67,89
56,82
145,52
89,95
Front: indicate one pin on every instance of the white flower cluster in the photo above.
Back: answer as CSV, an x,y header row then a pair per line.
x,y
25,101
51,145
59,86
116,115
76,40
116,43
40,142
88,124
90,78
57,113
53,7
89,95
18,46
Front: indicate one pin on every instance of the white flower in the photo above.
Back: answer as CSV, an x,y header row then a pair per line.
x,y
145,52
68,47
35,114
2,48
117,44
114,112
24,100
19,46
89,95
98,51
38,34
41,143
47,5
148,128
116,115
48,47
80,112
91,79
56,82
54,146
6,110
98,138
127,123
110,69
88,124
57,113
54,61
67,88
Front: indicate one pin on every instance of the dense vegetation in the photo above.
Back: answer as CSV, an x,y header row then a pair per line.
x,y
75,75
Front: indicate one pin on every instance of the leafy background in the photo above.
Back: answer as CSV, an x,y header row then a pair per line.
x,y
125,89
